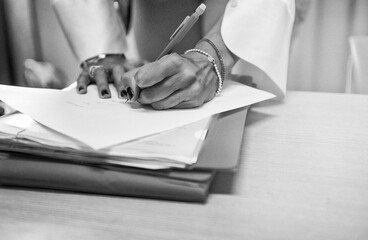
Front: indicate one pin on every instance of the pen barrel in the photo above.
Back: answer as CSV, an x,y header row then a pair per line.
x,y
180,35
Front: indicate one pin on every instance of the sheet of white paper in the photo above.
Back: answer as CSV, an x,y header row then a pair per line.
x,y
101,123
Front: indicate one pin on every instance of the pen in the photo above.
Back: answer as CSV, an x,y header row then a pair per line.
x,y
183,29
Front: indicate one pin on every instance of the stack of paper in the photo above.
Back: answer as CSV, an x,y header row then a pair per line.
x,y
173,148
112,130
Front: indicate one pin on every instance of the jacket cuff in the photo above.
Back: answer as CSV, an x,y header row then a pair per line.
x,y
259,33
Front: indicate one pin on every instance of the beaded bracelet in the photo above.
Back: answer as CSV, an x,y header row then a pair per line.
x,y
212,60
99,57
222,65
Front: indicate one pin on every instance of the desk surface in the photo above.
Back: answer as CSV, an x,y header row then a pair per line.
x,y
303,175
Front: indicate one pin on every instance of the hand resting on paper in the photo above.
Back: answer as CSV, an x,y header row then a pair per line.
x,y
108,68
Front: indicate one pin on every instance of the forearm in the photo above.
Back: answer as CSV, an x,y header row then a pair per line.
x,y
91,27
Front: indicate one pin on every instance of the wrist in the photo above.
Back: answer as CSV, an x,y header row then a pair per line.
x,y
212,60
218,44
218,55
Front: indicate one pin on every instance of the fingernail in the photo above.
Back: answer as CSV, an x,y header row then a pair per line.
x,y
130,93
80,89
105,93
123,93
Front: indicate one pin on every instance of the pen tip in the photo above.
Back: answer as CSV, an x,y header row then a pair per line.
x,y
200,9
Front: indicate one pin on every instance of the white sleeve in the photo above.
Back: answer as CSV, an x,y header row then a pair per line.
x,y
91,27
259,33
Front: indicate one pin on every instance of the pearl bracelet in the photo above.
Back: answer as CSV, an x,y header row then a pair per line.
x,y
212,60
218,53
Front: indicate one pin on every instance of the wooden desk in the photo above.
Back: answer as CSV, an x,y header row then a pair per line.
x,y
303,175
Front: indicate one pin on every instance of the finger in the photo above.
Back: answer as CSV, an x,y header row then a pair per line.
x,y
170,101
188,104
102,83
131,88
116,74
82,82
152,73
166,87
190,97
175,99
195,101
192,103
130,65
125,83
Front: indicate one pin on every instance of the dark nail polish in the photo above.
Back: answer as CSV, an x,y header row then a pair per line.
x,y
130,93
123,93
105,93
80,89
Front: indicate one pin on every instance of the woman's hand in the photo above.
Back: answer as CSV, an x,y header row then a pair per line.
x,y
105,69
176,81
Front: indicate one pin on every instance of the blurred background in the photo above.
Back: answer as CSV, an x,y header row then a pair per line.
x,y
321,49
319,58
29,30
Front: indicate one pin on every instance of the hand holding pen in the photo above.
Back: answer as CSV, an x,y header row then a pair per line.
x,y
173,80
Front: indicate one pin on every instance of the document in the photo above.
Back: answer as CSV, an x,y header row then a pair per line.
x,y
179,147
103,123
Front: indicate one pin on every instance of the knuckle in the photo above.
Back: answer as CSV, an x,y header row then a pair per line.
x,y
197,87
175,60
118,69
189,74
138,76
100,70
174,55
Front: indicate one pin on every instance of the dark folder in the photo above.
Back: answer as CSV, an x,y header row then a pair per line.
x,y
220,152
